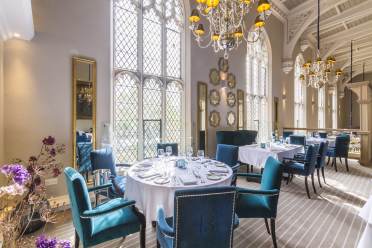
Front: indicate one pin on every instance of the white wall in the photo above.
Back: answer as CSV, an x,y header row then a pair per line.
x,y
38,74
1,105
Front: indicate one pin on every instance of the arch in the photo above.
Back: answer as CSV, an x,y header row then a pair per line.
x,y
299,96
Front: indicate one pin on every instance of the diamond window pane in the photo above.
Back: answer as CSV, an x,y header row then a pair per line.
x,y
152,44
151,135
173,53
125,35
125,119
173,118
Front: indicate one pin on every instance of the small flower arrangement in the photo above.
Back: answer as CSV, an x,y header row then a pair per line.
x,y
44,242
24,196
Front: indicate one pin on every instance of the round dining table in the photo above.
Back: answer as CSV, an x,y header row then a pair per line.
x,y
152,183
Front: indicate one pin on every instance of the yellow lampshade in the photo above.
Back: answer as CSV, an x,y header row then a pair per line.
x,y
311,74
207,10
194,16
259,22
201,1
263,5
212,3
247,2
319,60
200,30
327,71
302,77
331,60
215,37
338,72
238,33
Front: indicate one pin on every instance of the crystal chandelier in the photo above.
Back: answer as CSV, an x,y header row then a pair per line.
x,y
227,28
318,73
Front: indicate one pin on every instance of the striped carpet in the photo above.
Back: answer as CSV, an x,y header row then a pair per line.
x,y
328,220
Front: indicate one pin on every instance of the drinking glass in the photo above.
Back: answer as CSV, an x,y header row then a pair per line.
x,y
160,153
200,154
189,152
168,151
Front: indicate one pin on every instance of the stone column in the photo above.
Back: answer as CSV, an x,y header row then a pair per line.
x,y
364,92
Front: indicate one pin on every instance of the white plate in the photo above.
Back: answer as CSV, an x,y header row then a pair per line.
x,y
213,177
161,180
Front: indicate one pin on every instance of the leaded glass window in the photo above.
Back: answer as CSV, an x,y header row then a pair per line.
x,y
257,99
299,95
321,108
334,110
148,94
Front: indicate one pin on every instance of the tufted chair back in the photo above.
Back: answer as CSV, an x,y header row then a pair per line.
x,y
83,150
297,140
311,159
227,154
286,134
342,146
79,201
323,135
103,159
204,217
323,147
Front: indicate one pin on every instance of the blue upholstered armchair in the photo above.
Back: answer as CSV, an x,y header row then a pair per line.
x,y
323,135
286,134
104,159
83,157
203,217
262,203
297,140
341,150
304,167
320,162
228,154
113,219
173,145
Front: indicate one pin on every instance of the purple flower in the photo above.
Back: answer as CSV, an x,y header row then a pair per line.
x,y
43,242
17,172
53,152
56,172
49,141
64,244
32,159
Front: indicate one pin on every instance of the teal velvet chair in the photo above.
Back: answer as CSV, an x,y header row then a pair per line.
x,y
262,202
341,150
110,220
228,154
203,217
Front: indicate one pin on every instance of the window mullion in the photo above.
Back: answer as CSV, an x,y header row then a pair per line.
x,y
163,69
141,77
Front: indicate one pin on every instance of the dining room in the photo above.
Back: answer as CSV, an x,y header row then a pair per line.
x,y
185,123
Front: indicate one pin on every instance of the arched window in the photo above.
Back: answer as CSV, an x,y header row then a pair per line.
x,y
148,93
321,108
258,100
299,95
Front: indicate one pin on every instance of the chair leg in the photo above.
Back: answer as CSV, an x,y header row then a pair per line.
x,y
157,244
251,168
335,163
312,182
340,160
307,188
142,231
267,226
318,174
291,177
347,165
329,159
262,169
77,240
288,178
323,175
273,236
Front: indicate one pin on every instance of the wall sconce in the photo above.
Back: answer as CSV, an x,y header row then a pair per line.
x,y
284,96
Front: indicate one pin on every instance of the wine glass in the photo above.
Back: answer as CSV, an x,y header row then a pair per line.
x,y
200,154
160,153
189,152
168,151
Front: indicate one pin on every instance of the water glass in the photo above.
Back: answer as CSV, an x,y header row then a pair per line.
x,y
168,151
200,154
189,152
160,153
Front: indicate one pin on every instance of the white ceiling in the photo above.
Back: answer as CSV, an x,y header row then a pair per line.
x,y
341,21
16,20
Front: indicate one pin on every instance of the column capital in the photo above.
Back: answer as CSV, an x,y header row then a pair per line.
x,y
287,65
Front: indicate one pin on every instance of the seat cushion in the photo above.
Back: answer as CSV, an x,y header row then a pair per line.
x,y
295,168
252,206
113,225
118,183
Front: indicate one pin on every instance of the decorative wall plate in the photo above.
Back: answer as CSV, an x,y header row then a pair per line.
x,y
223,64
214,97
231,80
231,118
214,77
214,118
230,99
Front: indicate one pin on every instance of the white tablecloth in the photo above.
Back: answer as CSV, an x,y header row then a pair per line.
x,y
313,140
255,155
366,214
150,196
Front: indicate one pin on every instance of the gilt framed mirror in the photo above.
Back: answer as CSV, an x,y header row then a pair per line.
x,y
202,118
84,76
240,109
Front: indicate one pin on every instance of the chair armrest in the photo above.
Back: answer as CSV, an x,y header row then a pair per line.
x,y
163,225
236,167
243,191
295,160
107,207
99,187
251,175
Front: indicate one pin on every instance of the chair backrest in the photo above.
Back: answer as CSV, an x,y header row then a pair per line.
x,y
286,134
271,179
204,217
311,158
227,154
323,147
297,140
236,138
342,145
103,159
84,149
323,135
79,201
173,145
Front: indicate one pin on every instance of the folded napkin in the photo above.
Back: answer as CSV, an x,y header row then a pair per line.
x,y
219,170
145,164
188,179
148,174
